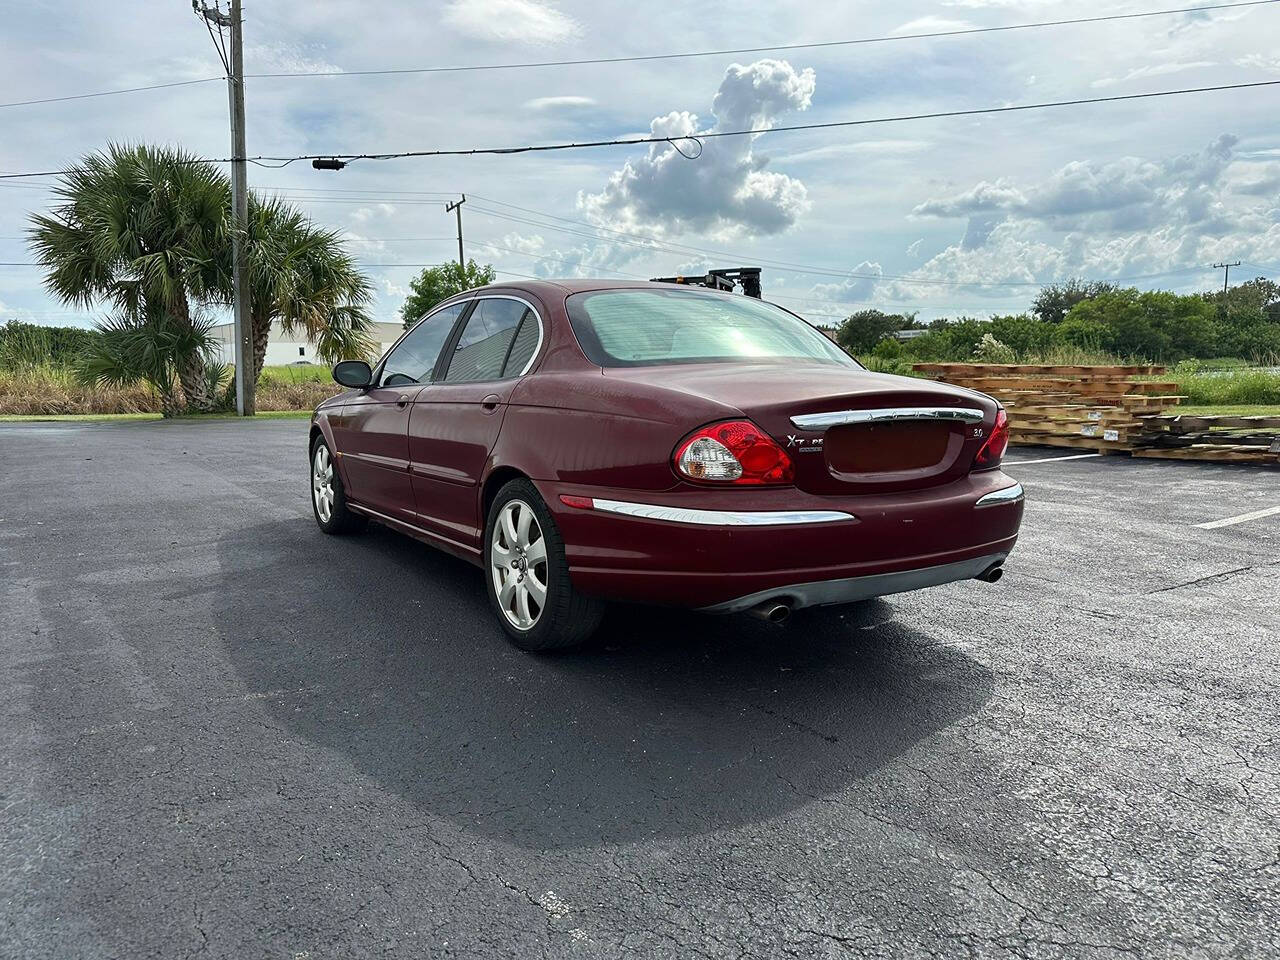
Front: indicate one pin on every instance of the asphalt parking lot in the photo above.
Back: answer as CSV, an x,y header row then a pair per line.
x,y
226,735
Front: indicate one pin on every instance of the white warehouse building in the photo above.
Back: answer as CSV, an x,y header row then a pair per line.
x,y
293,347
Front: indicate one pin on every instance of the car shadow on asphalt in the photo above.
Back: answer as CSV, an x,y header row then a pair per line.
x,y
385,652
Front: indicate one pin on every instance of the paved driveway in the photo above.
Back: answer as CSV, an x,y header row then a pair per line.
x,y
223,734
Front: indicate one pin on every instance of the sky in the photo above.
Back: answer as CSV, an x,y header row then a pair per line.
x,y
943,217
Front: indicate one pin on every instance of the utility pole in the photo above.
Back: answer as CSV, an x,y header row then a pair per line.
x,y
449,208
233,59
1226,273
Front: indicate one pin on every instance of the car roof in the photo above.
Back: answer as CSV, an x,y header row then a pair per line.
x,y
553,287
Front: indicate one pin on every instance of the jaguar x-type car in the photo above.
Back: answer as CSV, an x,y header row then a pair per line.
x,y
585,441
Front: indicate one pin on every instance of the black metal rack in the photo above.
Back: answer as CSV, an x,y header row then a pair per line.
x,y
725,278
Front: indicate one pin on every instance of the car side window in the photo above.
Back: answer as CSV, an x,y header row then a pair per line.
x,y
482,349
414,358
523,346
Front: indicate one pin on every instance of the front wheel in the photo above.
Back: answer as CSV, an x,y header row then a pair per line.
x,y
328,498
527,574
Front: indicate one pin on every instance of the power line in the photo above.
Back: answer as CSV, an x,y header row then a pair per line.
x,y
640,58
109,93
752,131
709,135
785,266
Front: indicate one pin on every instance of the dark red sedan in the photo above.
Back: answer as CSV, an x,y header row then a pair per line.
x,y
584,441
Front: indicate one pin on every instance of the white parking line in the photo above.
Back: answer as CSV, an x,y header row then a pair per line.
x,y
1243,518
1074,456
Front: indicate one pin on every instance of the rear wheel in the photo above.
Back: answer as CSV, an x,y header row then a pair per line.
x,y
527,574
328,498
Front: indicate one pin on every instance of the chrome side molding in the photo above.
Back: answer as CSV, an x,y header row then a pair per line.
x,y
1004,495
720,518
838,418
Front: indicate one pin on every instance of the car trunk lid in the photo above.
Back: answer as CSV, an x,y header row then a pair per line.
x,y
847,430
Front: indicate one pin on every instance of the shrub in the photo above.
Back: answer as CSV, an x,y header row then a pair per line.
x,y
29,345
991,350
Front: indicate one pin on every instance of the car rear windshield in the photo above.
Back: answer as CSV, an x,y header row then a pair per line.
x,y
622,328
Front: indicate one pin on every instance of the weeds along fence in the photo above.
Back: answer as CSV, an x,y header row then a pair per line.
x,y
46,390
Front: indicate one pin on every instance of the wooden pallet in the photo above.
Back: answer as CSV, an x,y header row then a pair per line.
x,y
1216,452
1189,423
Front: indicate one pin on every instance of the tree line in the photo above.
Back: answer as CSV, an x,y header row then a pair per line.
x,y
1150,325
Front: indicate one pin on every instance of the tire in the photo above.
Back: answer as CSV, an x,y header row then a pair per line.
x,y
341,519
565,618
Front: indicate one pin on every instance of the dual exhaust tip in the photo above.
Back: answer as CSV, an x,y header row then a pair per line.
x,y
779,611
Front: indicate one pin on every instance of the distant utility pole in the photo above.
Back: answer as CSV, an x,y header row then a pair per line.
x,y
449,208
1226,274
232,54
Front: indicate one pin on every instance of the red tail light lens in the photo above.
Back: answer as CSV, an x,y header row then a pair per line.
x,y
992,451
736,451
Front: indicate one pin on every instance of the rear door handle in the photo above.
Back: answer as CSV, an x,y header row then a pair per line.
x,y
490,403
402,401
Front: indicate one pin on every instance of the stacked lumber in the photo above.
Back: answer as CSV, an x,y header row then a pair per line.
x,y
1247,439
1084,407
1111,409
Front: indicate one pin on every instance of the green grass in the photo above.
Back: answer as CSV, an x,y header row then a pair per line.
x,y
290,374
125,417
76,417
1226,410
1229,389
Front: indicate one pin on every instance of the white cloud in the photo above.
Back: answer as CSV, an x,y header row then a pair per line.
x,y
1090,218
1153,70
857,287
1260,62
284,57
372,212
557,103
860,148
932,24
727,189
511,20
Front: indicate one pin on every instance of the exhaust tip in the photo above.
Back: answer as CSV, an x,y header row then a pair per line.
x,y
772,610
991,574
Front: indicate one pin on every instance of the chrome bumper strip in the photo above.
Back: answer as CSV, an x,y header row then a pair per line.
x,y
720,518
837,418
1006,495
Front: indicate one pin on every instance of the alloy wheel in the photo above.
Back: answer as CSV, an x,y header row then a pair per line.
x,y
518,564
322,482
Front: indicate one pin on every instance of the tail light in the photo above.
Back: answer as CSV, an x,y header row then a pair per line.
x,y
736,451
992,451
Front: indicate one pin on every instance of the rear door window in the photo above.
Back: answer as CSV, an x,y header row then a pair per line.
x,y
482,349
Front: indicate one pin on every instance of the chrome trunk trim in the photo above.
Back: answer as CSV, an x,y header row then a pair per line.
x,y
838,418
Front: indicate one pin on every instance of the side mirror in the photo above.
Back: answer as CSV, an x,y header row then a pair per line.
x,y
353,373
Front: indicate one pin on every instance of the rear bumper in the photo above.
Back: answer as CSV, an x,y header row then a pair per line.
x,y
822,593
710,549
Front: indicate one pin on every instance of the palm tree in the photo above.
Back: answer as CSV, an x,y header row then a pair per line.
x,y
129,349
140,229
300,277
